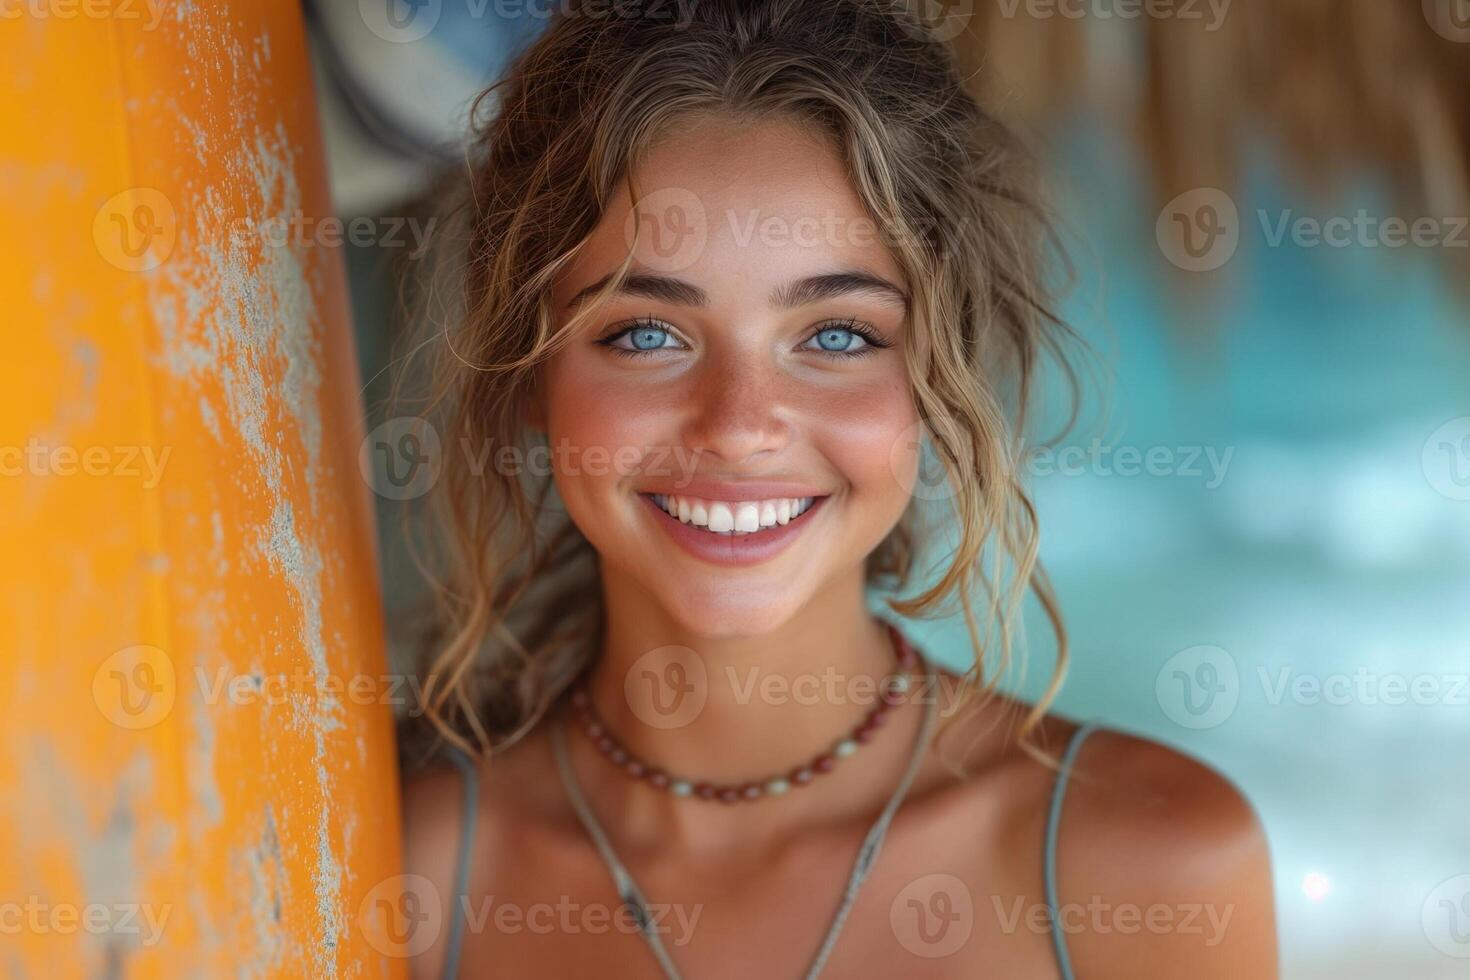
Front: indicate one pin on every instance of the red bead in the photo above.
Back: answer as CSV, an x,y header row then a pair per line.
x,y
606,744
618,756
594,729
579,698
728,795
863,734
635,768
659,778
704,791
824,763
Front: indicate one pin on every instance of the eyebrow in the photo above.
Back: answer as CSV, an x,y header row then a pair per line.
x,y
800,292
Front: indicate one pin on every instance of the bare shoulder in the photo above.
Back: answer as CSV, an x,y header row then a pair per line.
x,y
1163,867
433,820
1162,864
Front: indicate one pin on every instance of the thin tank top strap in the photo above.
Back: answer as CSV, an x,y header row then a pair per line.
x,y
471,772
1049,862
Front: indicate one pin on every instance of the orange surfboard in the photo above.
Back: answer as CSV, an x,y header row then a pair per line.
x,y
198,771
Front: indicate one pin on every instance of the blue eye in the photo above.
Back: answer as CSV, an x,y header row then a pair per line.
x,y
839,340
645,337
836,339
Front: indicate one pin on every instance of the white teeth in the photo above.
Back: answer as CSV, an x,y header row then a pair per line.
x,y
747,516
739,517
720,517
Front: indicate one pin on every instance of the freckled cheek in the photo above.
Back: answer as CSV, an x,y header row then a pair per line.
x,y
864,433
599,426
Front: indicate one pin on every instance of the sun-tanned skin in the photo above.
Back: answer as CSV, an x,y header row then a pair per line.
x,y
1163,866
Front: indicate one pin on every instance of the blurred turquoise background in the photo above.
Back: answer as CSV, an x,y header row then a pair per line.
x,y
1334,551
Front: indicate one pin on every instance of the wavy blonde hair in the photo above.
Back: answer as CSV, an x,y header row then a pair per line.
x,y
518,605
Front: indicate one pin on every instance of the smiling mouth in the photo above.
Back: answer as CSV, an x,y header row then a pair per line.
x,y
730,518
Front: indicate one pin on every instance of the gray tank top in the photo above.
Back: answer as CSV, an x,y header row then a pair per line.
x,y
471,775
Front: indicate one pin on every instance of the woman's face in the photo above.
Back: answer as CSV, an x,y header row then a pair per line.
x,y
754,359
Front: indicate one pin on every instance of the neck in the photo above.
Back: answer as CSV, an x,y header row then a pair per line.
x,y
742,708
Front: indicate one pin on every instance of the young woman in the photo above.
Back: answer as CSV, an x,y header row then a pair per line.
x,y
726,264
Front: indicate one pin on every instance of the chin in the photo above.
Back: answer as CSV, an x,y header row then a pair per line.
x,y
715,610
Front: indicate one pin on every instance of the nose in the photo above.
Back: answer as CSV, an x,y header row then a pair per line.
x,y
740,411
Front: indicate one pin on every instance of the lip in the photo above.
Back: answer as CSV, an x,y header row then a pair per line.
x,y
733,492
732,549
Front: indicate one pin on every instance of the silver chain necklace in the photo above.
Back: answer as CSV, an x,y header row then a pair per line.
x,y
632,895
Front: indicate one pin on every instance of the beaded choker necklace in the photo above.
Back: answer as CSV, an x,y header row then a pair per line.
x,y
893,691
